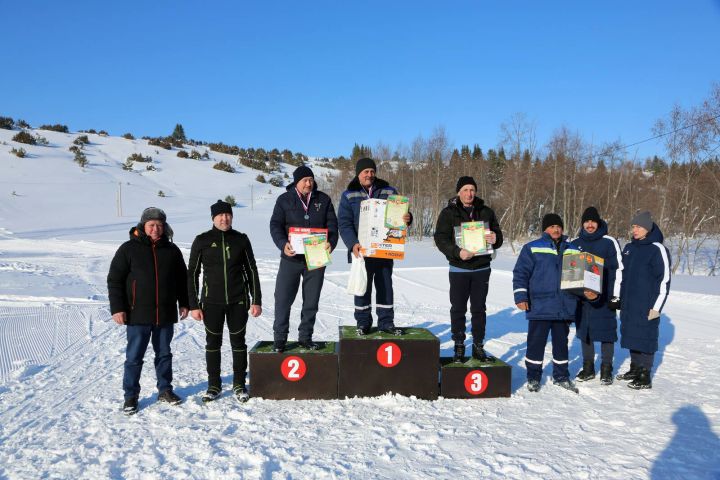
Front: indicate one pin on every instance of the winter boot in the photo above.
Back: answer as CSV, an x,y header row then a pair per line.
x,y
630,374
478,352
642,380
278,346
130,407
309,345
587,372
533,385
212,393
566,384
392,331
168,396
459,353
241,393
362,331
606,377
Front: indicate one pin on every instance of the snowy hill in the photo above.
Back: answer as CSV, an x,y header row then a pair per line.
x,y
61,357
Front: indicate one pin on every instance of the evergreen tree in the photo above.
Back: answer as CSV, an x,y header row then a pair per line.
x,y
179,133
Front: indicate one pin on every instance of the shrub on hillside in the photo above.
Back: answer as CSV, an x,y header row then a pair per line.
x,y
261,178
224,166
24,137
23,124
194,154
183,154
150,168
75,148
20,153
40,140
277,181
161,193
231,200
103,133
55,128
7,123
128,165
159,142
136,157
129,136
92,130
81,159
222,148
81,140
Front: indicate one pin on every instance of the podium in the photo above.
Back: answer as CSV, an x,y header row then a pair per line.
x,y
474,379
379,363
295,373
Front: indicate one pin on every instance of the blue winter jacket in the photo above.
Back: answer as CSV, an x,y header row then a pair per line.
x,y
289,212
595,321
349,210
536,280
645,286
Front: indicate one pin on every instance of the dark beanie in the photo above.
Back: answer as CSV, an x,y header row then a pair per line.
x,y
152,213
302,172
363,164
591,213
551,219
220,207
462,181
643,219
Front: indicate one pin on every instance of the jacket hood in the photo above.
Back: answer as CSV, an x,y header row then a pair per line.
x,y
355,184
655,235
601,231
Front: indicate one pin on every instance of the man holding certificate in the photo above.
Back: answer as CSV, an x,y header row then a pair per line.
x,y
301,214
467,231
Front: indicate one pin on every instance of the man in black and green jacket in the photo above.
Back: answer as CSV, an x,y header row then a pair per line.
x,y
230,279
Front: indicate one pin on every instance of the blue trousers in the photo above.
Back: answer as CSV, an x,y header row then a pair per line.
x,y
286,287
537,338
138,337
379,271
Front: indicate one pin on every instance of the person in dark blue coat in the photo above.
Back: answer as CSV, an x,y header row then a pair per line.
x,y
303,205
536,287
596,320
644,290
366,185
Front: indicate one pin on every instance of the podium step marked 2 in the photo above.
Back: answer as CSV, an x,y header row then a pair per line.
x,y
379,363
474,379
296,373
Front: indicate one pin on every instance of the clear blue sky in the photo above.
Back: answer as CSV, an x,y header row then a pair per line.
x,y
319,76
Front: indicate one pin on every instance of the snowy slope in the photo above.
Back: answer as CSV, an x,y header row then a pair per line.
x,y
61,357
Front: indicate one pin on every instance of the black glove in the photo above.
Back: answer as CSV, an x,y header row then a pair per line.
x,y
614,303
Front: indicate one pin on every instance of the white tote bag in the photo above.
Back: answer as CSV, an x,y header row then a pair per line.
x,y
357,283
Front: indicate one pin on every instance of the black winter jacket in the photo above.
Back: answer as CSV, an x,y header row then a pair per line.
x,y
289,212
147,281
227,279
452,216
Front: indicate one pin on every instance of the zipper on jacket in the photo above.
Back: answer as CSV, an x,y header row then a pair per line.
x,y
224,254
157,290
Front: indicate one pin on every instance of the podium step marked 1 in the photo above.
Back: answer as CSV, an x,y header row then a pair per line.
x,y
379,363
474,379
296,373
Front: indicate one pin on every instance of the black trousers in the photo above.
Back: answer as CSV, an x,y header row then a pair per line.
x,y
286,287
237,317
472,285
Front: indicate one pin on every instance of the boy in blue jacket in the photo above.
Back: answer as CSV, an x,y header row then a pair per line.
x,y
536,286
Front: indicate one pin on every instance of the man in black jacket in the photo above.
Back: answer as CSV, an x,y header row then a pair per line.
x,y
146,284
469,273
306,207
230,278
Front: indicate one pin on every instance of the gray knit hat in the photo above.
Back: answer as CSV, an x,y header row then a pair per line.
x,y
643,219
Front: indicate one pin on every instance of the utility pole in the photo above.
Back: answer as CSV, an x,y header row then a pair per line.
x,y
119,200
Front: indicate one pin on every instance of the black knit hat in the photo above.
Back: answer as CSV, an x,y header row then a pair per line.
x,y
152,213
551,219
302,172
462,181
591,213
363,164
643,219
220,207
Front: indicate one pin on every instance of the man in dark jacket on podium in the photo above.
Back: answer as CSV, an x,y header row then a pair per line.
x,y
230,280
147,287
469,273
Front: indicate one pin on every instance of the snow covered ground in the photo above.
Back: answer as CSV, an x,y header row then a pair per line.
x,y
61,357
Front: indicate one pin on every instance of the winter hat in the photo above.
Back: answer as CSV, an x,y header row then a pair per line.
x,y
643,219
591,213
220,207
462,181
551,219
152,213
302,172
364,164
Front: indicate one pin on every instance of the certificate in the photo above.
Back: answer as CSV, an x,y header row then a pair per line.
x,y
396,208
296,235
316,254
473,236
